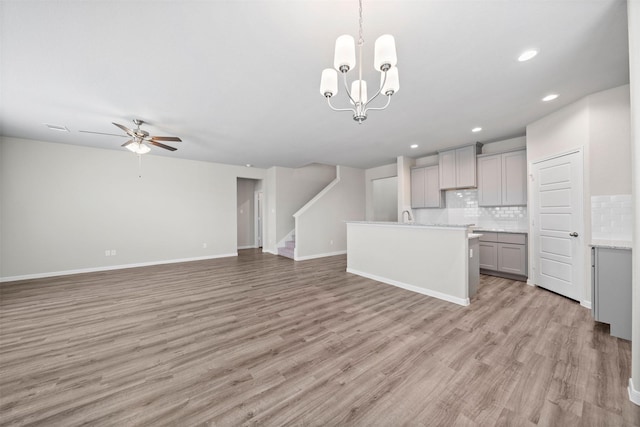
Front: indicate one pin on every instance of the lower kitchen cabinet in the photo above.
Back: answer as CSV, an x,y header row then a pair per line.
x,y
611,289
503,254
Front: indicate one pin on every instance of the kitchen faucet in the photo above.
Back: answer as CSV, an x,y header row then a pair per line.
x,y
409,216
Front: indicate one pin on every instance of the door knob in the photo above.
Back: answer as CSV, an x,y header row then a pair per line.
x,y
574,234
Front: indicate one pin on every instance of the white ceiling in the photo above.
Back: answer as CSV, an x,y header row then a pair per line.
x,y
238,81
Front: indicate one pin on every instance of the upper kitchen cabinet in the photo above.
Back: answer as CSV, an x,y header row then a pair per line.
x,y
458,167
425,188
502,179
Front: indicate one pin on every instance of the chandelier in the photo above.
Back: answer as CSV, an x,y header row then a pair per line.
x,y
345,59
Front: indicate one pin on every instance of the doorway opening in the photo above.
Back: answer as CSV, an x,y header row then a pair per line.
x,y
249,213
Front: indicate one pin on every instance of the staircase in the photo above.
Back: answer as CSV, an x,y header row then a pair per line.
x,y
288,249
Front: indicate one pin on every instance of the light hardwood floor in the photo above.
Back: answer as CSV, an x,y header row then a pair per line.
x,y
263,340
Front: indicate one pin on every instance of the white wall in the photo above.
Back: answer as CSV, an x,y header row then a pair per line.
x,y
64,205
294,188
609,143
371,174
404,184
633,8
599,125
321,229
385,199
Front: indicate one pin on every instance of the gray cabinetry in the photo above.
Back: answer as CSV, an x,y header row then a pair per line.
x,y
502,179
611,289
458,167
425,188
504,254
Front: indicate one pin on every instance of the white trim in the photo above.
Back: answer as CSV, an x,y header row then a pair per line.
x,y
303,258
634,393
586,304
555,156
530,282
322,192
247,247
269,251
110,267
427,292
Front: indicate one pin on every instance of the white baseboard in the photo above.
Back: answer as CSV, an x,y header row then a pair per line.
x,y
634,393
108,268
247,247
303,258
586,304
530,282
427,292
269,251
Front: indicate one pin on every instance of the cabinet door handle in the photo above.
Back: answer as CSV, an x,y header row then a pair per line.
x,y
574,234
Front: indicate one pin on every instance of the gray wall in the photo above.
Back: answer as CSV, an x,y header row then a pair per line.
x,y
64,205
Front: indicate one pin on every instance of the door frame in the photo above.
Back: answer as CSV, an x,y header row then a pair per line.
x,y
583,274
258,218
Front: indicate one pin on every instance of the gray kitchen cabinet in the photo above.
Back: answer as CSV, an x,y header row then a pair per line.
x,y
502,179
611,289
503,254
488,255
458,167
425,188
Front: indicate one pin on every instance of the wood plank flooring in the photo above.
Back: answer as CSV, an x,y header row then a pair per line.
x,y
263,340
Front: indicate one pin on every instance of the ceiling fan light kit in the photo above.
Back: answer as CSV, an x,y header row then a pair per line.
x,y
141,140
384,61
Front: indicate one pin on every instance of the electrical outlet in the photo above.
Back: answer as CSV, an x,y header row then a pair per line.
x,y
107,252
204,246
331,242
113,252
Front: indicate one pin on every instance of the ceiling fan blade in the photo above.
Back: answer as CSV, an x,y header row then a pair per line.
x,y
127,143
166,138
102,133
126,129
166,147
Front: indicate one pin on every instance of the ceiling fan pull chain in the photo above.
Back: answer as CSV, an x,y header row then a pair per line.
x,y
139,165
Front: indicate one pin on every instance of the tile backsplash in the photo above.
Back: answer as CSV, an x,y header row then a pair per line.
x,y
611,217
462,208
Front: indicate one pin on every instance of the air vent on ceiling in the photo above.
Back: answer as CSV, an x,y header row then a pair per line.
x,y
57,127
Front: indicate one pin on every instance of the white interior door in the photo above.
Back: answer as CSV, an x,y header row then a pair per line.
x,y
558,225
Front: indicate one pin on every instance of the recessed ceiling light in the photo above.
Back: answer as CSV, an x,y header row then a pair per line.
x,y
550,97
476,129
57,127
248,165
527,55
414,145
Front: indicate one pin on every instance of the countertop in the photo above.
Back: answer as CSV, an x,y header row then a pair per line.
x,y
410,224
499,230
611,244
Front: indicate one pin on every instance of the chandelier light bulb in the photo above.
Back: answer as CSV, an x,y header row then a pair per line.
x,y
358,93
391,82
345,54
385,53
329,82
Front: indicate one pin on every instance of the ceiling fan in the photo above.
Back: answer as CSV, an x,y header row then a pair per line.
x,y
140,138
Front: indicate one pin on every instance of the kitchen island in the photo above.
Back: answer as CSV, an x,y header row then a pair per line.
x,y
433,260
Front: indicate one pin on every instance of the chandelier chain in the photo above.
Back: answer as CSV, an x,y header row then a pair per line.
x,y
360,37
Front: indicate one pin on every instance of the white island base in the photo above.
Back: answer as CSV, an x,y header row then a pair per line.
x,y
430,260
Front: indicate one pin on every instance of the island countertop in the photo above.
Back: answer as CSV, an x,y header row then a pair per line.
x,y
410,224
